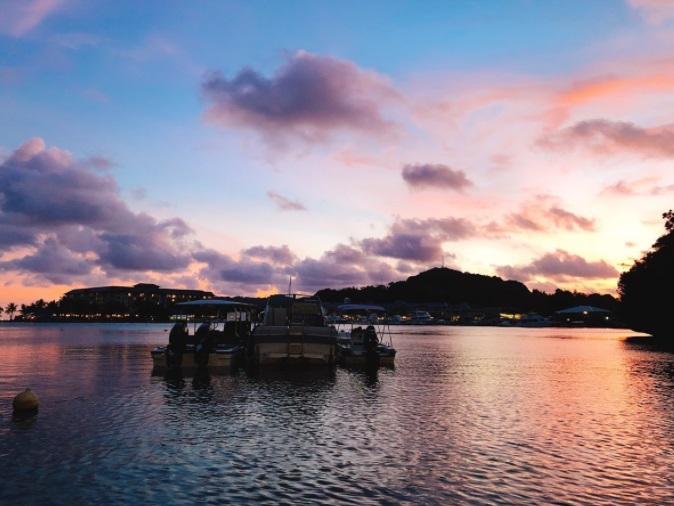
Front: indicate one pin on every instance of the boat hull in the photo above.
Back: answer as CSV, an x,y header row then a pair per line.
x,y
222,359
350,356
280,345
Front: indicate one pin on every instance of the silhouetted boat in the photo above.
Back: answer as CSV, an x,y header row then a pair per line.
x,y
420,318
293,332
533,320
217,343
367,342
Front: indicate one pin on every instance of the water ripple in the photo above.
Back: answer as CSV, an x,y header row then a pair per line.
x,y
467,416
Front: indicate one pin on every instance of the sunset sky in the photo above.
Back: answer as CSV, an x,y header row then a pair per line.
x,y
231,145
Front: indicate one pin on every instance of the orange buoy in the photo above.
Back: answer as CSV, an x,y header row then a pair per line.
x,y
26,400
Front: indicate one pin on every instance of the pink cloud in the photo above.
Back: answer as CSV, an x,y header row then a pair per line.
x,y
654,11
591,90
606,137
545,213
18,18
640,186
622,188
351,159
284,204
559,266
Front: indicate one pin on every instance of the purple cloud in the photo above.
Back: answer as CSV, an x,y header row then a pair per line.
x,y
73,220
238,277
421,240
278,256
309,97
434,176
405,246
53,262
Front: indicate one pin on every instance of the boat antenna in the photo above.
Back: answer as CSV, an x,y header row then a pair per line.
x,y
290,284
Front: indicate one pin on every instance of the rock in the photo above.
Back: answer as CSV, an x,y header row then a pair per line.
x,y
26,400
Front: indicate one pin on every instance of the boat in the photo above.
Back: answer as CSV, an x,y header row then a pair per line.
x,y
420,318
293,332
367,341
396,319
533,320
217,342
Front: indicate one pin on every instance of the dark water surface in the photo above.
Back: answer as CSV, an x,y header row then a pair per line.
x,y
469,415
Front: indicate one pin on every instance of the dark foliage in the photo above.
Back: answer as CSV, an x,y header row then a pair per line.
x,y
454,287
645,288
438,286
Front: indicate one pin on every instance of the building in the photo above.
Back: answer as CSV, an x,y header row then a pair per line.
x,y
586,316
134,297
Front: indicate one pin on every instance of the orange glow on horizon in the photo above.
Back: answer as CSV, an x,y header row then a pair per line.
x,y
588,92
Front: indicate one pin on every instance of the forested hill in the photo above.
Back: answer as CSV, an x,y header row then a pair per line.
x,y
455,287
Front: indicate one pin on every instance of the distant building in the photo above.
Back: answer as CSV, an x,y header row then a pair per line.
x,y
132,297
586,316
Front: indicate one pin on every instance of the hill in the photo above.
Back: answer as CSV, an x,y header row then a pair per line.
x,y
449,286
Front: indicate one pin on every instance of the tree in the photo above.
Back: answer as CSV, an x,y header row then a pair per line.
x,y
11,309
645,289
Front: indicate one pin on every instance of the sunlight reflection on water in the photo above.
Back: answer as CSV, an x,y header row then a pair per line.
x,y
478,415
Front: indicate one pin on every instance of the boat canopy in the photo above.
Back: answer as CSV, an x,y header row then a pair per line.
x,y
582,309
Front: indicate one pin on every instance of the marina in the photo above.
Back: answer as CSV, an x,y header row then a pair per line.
x,y
469,415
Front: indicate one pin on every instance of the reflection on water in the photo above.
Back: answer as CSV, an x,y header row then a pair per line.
x,y
469,415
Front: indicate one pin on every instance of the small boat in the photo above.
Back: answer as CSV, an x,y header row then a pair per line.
x,y
217,343
293,332
366,344
533,320
420,318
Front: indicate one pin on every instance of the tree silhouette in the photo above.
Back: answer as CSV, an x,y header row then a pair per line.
x,y
11,309
645,289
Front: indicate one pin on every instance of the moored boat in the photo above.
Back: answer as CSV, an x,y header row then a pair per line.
x,y
217,342
367,341
420,318
533,320
293,332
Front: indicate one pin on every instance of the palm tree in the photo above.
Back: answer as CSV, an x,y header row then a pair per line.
x,y
11,309
1,311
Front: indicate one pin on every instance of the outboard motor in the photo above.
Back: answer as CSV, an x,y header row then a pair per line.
x,y
177,344
370,340
203,345
370,343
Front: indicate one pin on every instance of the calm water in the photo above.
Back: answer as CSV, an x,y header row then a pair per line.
x,y
469,415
